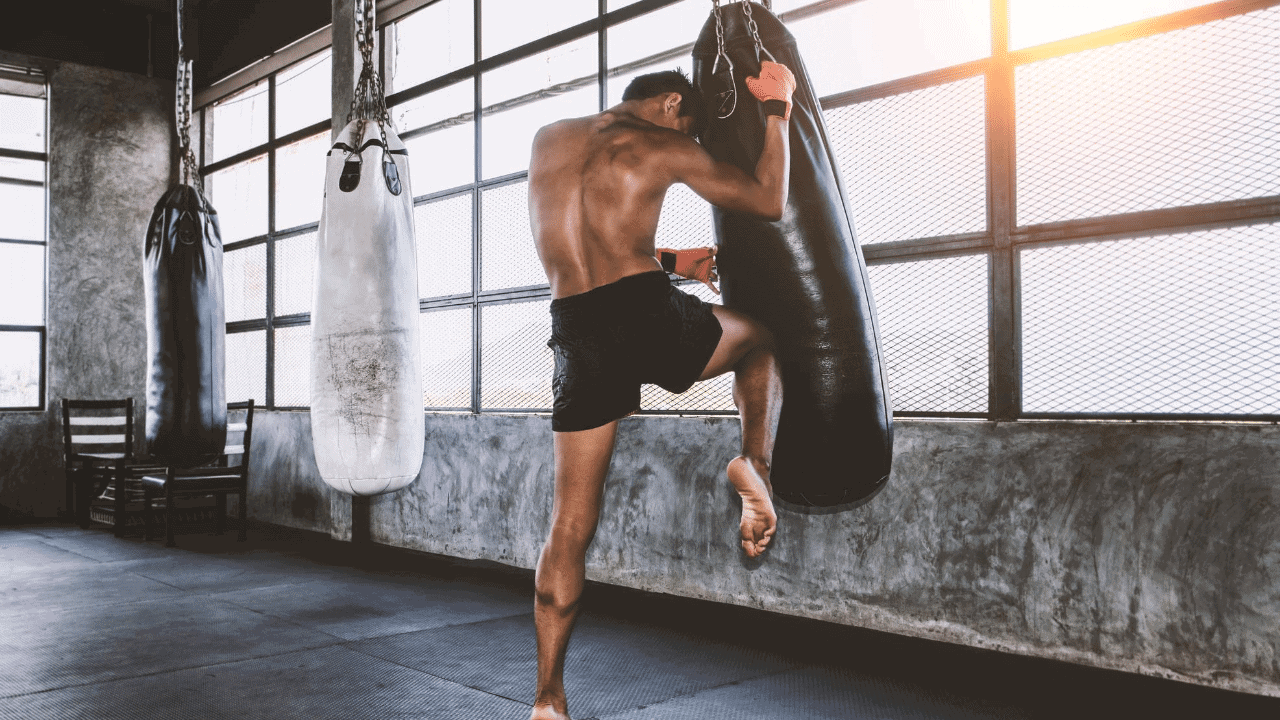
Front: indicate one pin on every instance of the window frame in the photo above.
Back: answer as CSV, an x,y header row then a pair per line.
x,y
1001,241
28,76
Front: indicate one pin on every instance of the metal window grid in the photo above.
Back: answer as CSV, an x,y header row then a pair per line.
x,y
992,234
39,330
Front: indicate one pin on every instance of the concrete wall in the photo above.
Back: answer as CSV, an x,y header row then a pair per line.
x,y
1152,548
109,163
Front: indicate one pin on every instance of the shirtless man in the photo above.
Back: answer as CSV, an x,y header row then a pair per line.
x,y
596,186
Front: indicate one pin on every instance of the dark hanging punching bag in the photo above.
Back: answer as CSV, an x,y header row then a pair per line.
x,y
186,331
186,322
803,277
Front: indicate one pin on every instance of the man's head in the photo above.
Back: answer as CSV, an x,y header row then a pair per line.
x,y
679,101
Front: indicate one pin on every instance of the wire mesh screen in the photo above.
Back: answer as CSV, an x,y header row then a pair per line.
x,y
1185,324
293,366
507,254
20,369
515,362
1182,118
443,232
247,366
933,329
244,283
685,221
914,164
714,395
446,358
295,270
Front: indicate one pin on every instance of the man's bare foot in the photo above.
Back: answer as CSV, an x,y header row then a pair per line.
x,y
547,712
759,521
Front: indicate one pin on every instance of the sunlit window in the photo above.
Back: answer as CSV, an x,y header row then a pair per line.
x,y
23,190
1020,203
266,181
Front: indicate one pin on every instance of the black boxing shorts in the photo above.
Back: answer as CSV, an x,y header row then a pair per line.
x,y
610,340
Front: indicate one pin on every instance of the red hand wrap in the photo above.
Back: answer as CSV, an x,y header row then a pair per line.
x,y
775,82
696,264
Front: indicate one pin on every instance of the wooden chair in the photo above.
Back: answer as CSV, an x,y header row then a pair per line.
x,y
97,438
219,480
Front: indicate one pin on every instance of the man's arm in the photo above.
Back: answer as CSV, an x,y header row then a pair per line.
x,y
726,186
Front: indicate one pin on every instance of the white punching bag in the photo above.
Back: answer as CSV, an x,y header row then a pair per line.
x,y
366,388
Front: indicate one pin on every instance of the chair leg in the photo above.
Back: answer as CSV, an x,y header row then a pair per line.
x,y
121,520
168,516
83,492
244,512
146,512
71,497
220,513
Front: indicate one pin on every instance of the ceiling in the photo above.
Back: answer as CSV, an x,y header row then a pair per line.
x,y
139,36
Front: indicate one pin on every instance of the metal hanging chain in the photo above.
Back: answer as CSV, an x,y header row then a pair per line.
x,y
727,99
755,30
190,166
719,31
369,102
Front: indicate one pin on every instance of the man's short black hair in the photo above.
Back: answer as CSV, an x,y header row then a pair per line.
x,y
671,81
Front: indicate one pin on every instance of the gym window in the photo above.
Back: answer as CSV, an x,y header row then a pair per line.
x,y
23,202
1066,211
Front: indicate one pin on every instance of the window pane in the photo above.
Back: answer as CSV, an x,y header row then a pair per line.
x,y
303,94
933,329
440,133
19,369
21,284
511,23
915,164
295,268
507,253
22,123
247,366
1032,22
685,221
1185,323
430,42
1181,118
239,194
443,231
515,362
446,358
522,97
21,212
237,123
244,282
293,366
646,44
300,170
875,41
22,169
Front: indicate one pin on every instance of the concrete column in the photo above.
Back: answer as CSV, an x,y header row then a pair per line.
x,y
346,62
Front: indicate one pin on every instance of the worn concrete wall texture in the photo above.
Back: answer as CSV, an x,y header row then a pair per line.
x,y
1152,548
109,161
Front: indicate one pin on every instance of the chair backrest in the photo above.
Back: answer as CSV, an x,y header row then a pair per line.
x,y
100,427
239,434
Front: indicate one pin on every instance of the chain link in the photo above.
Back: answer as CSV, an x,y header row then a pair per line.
x,y
755,30
369,101
189,173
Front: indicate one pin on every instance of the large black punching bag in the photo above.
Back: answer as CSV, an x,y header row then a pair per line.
x,y
186,331
803,277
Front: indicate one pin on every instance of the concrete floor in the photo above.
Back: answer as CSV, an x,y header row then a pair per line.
x,y
291,625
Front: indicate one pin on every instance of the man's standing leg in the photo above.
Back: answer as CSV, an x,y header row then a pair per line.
x,y
581,462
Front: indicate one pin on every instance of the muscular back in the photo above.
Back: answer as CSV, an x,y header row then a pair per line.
x,y
596,186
